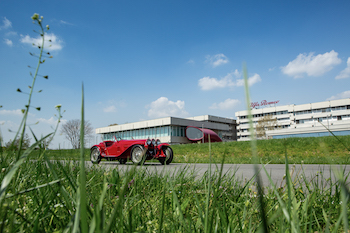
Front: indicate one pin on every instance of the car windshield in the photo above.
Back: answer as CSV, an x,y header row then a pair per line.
x,y
117,138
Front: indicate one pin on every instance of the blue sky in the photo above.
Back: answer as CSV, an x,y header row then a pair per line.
x,y
143,60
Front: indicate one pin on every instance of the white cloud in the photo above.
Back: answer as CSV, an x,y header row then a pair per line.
x,y
226,105
8,42
311,65
55,44
66,23
111,105
251,80
208,83
216,60
6,24
343,95
163,107
111,108
17,112
191,62
11,33
346,72
51,121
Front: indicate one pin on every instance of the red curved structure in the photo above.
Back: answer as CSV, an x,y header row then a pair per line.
x,y
196,134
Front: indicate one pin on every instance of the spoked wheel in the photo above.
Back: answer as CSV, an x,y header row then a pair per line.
x,y
137,154
95,155
122,161
169,156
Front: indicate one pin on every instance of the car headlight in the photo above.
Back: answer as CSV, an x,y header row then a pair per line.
x,y
148,142
158,142
153,142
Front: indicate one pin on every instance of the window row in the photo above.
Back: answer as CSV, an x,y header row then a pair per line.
x,y
265,114
323,119
321,110
255,122
154,132
310,111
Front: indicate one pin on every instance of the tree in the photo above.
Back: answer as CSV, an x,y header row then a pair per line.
x,y
14,145
265,123
71,130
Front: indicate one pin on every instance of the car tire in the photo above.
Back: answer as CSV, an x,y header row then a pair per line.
x,y
122,161
169,156
95,155
137,154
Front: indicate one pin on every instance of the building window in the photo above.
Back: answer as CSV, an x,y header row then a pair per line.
x,y
338,108
339,118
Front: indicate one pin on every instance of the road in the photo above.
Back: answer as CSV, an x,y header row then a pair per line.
x,y
244,172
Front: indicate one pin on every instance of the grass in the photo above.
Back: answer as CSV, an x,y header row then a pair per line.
x,y
44,196
323,150
327,150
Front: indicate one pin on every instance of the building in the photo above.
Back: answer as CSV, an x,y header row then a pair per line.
x,y
171,130
306,120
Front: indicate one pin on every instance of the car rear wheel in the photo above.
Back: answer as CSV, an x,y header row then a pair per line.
x,y
95,155
169,156
137,154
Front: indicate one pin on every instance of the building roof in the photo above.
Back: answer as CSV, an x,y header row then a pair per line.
x,y
207,121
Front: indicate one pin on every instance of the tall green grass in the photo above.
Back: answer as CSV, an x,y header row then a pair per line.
x,y
140,200
44,196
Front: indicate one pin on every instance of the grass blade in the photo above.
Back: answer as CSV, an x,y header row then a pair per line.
x,y
82,176
254,152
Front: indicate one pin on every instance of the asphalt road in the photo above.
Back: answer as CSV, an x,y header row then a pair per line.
x,y
318,174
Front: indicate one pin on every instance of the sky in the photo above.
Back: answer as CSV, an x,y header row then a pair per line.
x,y
146,59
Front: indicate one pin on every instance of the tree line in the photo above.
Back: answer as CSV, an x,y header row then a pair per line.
x,y
70,129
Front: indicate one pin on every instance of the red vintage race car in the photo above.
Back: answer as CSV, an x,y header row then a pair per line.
x,y
136,150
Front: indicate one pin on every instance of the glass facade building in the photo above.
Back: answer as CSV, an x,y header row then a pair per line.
x,y
170,129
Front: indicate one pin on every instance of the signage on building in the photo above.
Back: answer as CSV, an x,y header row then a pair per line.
x,y
262,103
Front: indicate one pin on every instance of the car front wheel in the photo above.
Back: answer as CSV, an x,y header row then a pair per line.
x,y
137,154
95,155
169,156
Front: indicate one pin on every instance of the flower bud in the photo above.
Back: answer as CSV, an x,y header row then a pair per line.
x,y
35,16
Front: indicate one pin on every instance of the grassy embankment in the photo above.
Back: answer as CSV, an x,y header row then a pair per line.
x,y
327,150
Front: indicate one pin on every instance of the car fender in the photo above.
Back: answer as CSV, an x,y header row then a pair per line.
x,y
98,146
127,150
163,145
